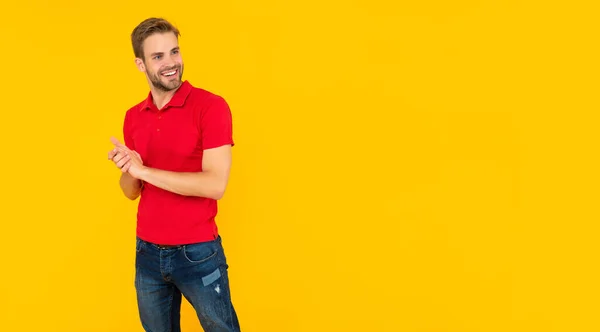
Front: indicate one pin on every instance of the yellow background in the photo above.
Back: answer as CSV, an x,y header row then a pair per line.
x,y
400,166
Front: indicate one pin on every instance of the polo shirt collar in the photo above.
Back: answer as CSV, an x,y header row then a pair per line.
x,y
178,99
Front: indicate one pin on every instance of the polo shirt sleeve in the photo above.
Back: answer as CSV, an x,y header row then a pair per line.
x,y
127,135
216,125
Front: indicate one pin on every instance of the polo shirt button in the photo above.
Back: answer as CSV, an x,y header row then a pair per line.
x,y
157,129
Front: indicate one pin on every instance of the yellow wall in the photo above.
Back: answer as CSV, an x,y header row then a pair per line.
x,y
399,167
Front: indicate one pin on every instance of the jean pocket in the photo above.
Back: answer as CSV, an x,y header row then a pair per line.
x,y
198,253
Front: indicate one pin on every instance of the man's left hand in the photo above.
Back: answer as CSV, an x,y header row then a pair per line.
x,y
135,165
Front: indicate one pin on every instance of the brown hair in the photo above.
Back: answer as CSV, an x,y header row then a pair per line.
x,y
146,29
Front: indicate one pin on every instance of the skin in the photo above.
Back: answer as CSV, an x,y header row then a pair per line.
x,y
161,53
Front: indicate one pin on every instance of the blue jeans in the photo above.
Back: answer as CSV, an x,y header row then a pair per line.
x,y
196,271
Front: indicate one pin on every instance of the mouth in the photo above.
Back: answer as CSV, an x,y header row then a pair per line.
x,y
169,73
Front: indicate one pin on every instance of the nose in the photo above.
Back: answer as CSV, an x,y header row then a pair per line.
x,y
171,63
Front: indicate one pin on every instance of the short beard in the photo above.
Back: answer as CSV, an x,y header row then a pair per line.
x,y
157,83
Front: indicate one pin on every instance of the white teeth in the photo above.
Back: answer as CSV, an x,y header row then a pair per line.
x,y
170,73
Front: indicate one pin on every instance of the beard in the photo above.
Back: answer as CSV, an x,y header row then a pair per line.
x,y
171,84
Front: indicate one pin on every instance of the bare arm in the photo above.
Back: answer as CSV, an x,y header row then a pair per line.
x,y
131,187
209,183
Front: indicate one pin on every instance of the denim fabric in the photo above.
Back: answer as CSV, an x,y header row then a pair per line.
x,y
197,272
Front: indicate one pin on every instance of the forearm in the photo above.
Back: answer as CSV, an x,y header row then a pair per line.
x,y
200,184
130,186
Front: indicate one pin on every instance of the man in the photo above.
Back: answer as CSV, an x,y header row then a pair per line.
x,y
176,157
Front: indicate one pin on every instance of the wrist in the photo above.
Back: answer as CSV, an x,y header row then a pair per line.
x,y
144,173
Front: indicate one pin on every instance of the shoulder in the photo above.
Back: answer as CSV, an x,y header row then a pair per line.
x,y
207,99
135,107
134,110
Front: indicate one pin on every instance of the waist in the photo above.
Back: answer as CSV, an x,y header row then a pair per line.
x,y
164,246
175,246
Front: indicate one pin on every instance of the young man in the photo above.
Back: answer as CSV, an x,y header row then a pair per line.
x,y
176,157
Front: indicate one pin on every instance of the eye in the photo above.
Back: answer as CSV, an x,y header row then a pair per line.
x,y
156,57
175,51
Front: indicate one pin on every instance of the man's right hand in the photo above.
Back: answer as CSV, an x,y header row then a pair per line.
x,y
130,185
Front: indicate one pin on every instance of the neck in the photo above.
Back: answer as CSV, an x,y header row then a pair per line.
x,y
160,97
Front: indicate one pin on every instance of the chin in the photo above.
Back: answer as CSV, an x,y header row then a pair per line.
x,y
171,84
174,84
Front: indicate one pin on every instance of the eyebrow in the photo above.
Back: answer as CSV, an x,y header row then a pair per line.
x,y
161,53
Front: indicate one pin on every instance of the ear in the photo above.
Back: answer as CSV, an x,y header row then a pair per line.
x,y
140,64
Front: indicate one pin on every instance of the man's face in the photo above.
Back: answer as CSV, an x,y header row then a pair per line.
x,y
163,63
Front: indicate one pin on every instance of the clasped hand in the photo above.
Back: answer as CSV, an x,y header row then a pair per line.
x,y
127,160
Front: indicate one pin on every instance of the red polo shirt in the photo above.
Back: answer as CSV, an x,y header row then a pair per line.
x,y
173,139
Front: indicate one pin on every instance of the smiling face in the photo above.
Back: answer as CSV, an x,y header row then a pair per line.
x,y
162,61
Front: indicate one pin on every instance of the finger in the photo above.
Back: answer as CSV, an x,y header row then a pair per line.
x,y
121,154
118,144
117,153
123,149
125,168
123,161
118,156
115,141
